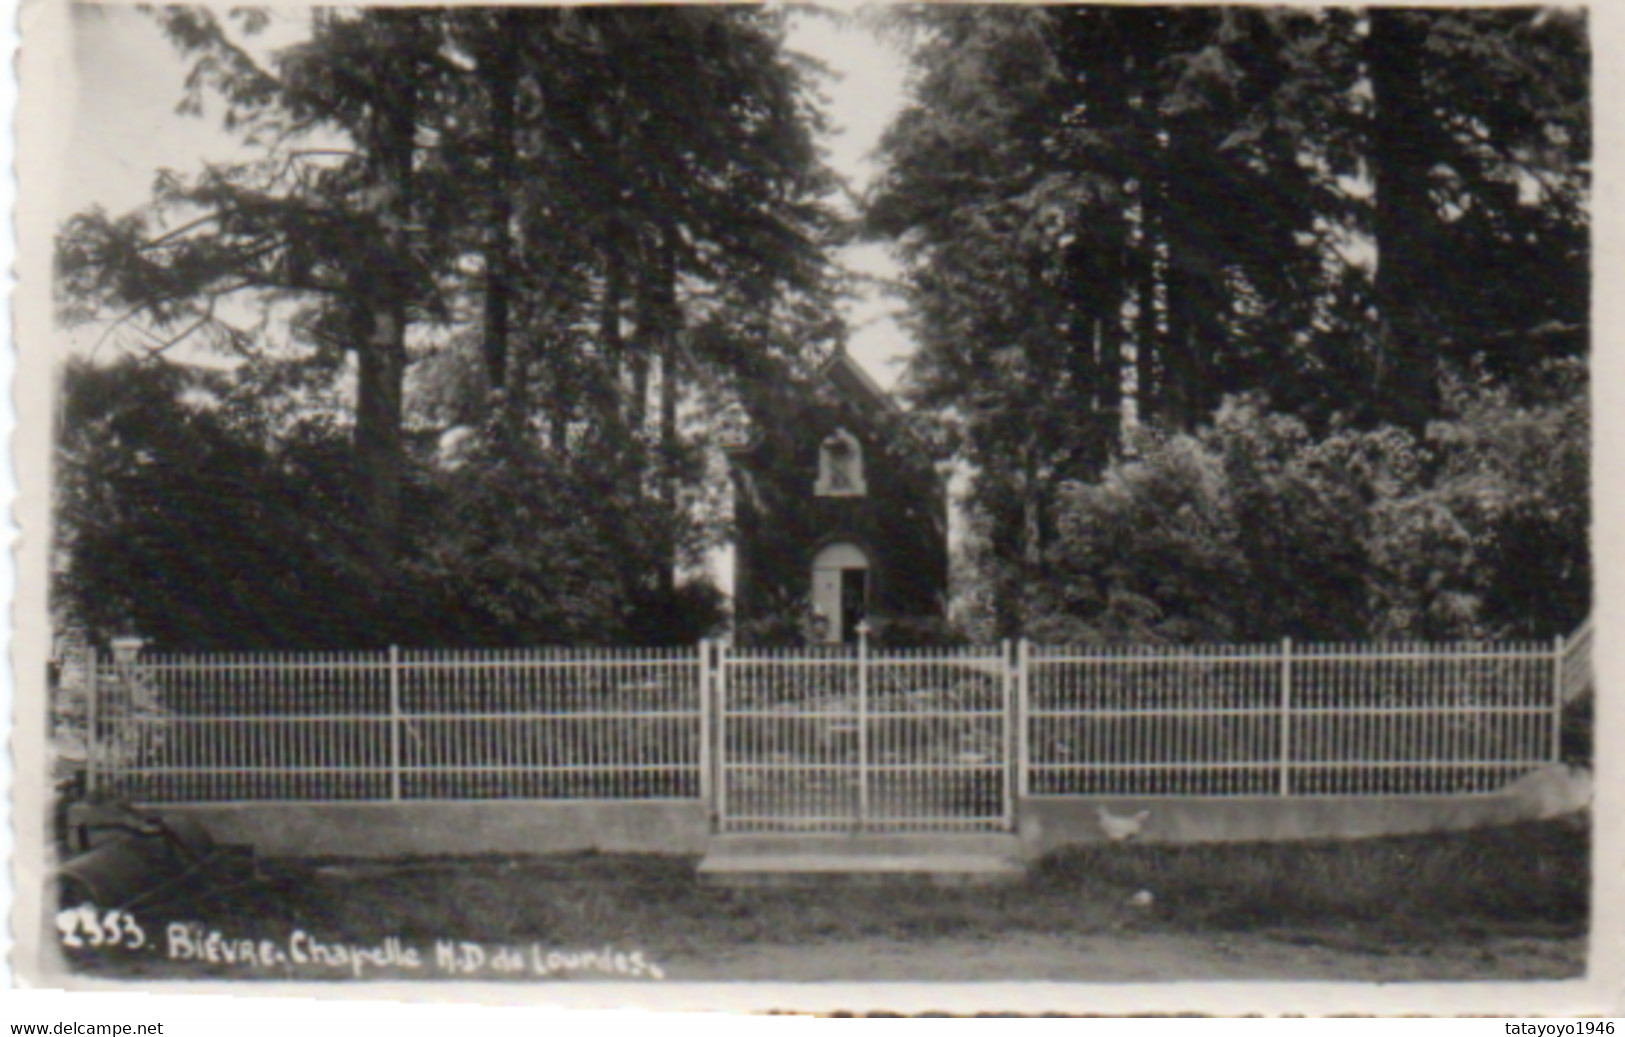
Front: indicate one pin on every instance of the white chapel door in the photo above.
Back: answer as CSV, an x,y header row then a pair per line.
x,y
840,589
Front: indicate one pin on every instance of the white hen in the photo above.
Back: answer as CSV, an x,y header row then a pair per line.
x,y
1117,828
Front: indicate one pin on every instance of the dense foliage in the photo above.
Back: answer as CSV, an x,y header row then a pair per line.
x,y
1243,322
1114,218
1255,528
557,231
180,522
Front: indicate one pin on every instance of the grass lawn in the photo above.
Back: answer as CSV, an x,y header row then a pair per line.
x,y
1494,904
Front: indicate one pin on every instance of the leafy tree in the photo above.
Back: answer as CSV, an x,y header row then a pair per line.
x,y
1247,530
177,523
1148,552
1498,541
1008,346
659,168
703,183
1478,140
518,549
181,522
322,226
1109,212
1451,145
1064,190
636,172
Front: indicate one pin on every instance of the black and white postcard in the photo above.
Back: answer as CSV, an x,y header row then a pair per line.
x,y
917,507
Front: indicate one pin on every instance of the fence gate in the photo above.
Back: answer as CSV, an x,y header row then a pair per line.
x,y
843,739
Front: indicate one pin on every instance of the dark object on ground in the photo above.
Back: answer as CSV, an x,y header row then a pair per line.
x,y
116,856
1579,718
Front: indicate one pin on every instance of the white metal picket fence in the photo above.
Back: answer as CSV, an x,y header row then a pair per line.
x,y
831,738
838,739
1577,675
543,724
1366,719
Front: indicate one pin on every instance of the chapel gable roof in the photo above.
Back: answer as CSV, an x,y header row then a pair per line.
x,y
853,382
838,380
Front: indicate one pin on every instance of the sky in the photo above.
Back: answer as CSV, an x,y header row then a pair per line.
x,y
129,81
865,93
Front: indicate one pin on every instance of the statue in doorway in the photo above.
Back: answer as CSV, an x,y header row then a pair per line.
x,y
840,466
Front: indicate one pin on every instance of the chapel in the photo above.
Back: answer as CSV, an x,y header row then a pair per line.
x,y
840,514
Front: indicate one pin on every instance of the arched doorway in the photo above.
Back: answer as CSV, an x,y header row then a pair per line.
x,y
841,590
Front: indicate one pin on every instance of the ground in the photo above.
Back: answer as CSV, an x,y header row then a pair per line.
x,y
1142,957
1500,904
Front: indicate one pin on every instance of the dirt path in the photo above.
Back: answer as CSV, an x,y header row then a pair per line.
x,y
1130,958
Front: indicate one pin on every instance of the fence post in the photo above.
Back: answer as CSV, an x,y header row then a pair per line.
x,y
1024,750
1007,755
704,688
126,650
1558,647
720,700
863,723
1286,716
93,746
394,722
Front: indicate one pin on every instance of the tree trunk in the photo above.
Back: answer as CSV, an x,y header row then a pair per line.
x,y
558,422
383,291
646,345
1032,530
379,445
1109,359
637,404
1146,402
1405,365
1148,356
501,82
609,330
1177,362
668,319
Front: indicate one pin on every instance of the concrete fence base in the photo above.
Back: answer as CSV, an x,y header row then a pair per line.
x,y
1050,824
459,827
434,828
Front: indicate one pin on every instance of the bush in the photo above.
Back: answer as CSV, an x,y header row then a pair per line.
x,y
201,530
689,614
1576,732
916,632
791,624
1255,528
